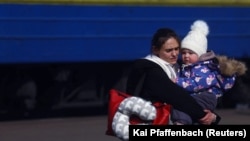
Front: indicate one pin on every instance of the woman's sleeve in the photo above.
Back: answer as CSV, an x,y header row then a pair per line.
x,y
163,89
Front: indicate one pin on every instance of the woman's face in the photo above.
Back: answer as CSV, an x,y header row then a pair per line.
x,y
169,51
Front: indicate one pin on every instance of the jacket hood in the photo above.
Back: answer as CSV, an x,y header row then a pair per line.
x,y
230,66
207,56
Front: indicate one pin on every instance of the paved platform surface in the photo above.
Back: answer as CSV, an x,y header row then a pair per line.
x,y
82,128
234,117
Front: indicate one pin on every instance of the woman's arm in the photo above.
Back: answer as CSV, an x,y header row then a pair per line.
x,y
177,97
160,88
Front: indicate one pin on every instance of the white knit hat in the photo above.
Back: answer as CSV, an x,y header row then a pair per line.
x,y
196,39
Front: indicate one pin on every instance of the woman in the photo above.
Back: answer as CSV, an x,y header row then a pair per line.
x,y
155,67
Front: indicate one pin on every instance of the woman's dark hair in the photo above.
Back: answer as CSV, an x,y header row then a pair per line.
x,y
161,36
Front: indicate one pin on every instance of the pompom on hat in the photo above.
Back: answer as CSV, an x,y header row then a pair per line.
x,y
196,39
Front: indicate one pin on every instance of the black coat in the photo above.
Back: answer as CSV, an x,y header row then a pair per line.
x,y
158,87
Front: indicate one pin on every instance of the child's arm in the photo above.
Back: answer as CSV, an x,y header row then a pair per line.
x,y
202,78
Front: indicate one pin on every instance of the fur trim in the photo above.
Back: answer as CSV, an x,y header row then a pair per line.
x,y
229,66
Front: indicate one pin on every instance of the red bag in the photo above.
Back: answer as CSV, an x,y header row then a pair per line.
x,y
116,97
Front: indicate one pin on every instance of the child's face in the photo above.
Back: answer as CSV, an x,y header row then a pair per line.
x,y
188,56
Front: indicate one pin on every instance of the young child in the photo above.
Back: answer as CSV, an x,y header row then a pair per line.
x,y
201,73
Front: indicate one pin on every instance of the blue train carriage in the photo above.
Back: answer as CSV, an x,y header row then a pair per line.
x,y
61,53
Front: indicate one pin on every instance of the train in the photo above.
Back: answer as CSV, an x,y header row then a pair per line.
x,y
60,54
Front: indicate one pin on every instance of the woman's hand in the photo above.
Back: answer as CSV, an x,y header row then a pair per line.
x,y
209,118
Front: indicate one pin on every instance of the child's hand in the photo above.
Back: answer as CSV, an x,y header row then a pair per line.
x,y
174,80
